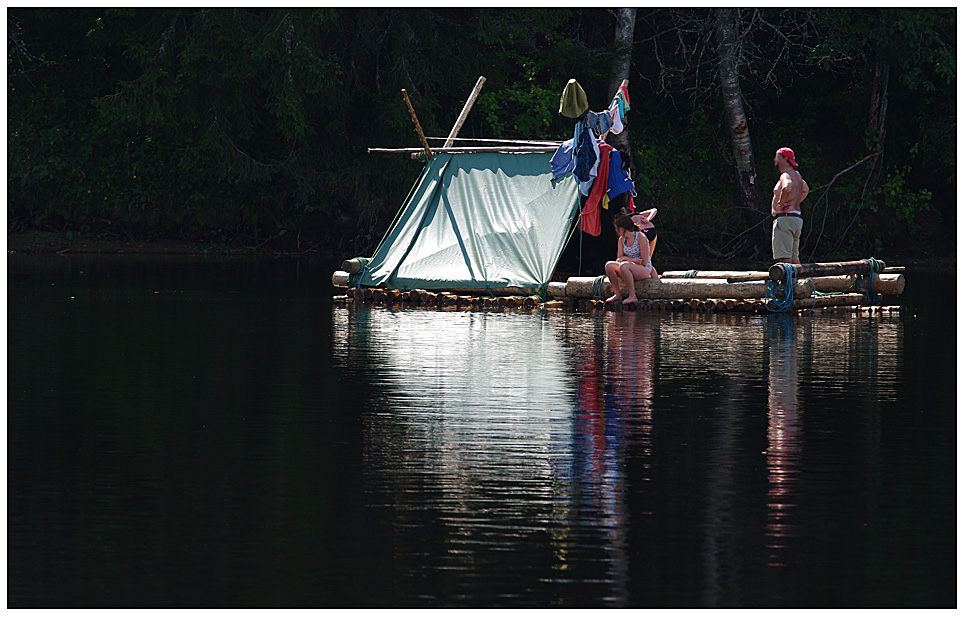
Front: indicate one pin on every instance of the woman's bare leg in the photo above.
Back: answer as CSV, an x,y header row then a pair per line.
x,y
630,272
612,270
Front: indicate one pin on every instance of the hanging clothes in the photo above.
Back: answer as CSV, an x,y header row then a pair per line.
x,y
563,160
616,120
623,96
587,184
599,123
590,219
586,158
618,181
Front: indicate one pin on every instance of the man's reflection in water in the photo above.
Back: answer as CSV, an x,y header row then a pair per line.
x,y
784,432
615,391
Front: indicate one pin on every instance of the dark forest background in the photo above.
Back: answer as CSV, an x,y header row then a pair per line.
x,y
249,127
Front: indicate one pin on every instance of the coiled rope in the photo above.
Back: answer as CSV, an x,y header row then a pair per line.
x,y
598,287
780,293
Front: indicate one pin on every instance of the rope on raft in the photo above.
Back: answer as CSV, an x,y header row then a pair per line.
x,y
598,287
780,294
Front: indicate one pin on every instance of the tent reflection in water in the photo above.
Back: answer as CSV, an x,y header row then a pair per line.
x,y
477,220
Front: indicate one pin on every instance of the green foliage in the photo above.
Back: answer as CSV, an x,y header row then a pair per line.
x,y
236,123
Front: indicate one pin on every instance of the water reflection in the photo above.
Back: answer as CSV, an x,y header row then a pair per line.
x,y
784,433
502,445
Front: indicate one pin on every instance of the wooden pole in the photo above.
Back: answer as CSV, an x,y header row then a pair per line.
x,y
465,110
520,142
824,269
418,128
470,149
623,84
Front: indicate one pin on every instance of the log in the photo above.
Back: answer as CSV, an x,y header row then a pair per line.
x,y
353,265
834,268
556,289
465,110
891,284
552,305
711,274
682,289
340,278
418,128
839,300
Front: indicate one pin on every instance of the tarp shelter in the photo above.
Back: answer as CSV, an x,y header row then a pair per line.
x,y
478,221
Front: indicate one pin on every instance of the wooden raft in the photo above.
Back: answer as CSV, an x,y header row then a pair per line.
x,y
727,291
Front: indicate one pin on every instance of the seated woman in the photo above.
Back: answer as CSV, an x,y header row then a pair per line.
x,y
632,262
644,221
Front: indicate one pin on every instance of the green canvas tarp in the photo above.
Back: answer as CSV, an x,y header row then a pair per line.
x,y
478,221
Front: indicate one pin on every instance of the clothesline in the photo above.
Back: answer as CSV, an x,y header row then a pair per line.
x,y
539,142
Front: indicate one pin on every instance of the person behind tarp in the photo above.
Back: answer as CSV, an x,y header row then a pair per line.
x,y
632,262
644,221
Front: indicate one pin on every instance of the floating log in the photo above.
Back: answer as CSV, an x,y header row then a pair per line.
x,y
682,289
556,290
891,284
834,268
709,274
340,278
353,265
888,282
838,300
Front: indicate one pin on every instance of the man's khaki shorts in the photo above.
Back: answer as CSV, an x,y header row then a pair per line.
x,y
786,237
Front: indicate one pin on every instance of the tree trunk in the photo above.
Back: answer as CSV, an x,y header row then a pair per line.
x,y
876,116
623,43
753,200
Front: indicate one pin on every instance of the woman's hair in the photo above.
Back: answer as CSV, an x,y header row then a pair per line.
x,y
625,222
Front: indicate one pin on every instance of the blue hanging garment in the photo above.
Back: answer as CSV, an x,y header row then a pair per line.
x,y
584,155
618,182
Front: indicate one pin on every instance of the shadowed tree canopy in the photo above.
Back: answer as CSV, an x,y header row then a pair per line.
x,y
250,125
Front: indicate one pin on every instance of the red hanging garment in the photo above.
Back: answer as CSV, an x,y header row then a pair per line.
x,y
590,220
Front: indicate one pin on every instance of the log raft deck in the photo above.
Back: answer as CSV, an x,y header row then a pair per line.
x,y
859,286
837,286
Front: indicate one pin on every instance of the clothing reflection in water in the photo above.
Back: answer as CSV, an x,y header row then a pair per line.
x,y
500,458
615,402
784,433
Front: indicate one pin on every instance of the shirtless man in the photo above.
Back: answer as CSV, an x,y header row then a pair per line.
x,y
789,192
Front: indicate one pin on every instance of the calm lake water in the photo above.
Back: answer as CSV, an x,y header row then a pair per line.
x,y
191,432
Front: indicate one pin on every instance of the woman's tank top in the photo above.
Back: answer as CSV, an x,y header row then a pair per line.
x,y
632,251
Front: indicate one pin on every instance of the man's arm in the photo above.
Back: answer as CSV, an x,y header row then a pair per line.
x,y
778,191
804,190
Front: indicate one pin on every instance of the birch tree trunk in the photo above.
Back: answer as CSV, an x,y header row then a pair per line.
x,y
623,43
753,200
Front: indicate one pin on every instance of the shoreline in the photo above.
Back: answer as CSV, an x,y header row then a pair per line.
x,y
51,243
